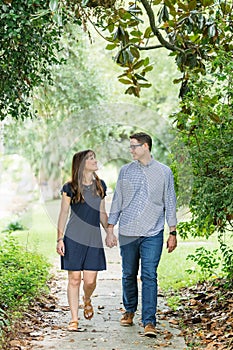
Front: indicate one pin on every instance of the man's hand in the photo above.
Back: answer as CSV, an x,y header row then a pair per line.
x,y
171,243
110,239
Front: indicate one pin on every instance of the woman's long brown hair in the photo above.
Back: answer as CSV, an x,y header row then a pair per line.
x,y
78,165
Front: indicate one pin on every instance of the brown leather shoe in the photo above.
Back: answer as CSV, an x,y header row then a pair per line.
x,y
150,330
127,319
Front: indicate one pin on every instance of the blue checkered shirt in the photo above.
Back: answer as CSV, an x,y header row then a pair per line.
x,y
143,198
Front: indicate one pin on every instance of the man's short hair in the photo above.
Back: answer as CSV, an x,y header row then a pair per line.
x,y
142,138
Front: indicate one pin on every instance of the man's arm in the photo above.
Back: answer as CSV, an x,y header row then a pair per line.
x,y
171,214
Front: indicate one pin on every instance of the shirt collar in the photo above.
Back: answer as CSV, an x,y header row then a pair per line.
x,y
147,165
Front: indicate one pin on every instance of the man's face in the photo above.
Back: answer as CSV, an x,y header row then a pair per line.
x,y
137,149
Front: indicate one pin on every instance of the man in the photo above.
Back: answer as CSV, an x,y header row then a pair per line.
x,y
143,198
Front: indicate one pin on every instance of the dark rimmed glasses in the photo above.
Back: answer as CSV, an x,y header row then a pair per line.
x,y
133,147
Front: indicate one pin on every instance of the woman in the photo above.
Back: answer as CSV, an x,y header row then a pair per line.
x,y
79,243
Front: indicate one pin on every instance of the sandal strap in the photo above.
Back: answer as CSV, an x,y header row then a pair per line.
x,y
73,326
88,309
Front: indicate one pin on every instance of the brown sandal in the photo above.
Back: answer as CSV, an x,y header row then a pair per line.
x,y
73,326
88,309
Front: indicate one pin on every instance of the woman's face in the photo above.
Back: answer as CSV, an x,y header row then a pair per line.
x,y
91,162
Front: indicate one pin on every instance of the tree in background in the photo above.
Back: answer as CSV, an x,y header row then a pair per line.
x,y
28,47
72,91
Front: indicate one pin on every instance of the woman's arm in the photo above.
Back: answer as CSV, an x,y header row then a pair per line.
x,y
103,215
110,239
62,219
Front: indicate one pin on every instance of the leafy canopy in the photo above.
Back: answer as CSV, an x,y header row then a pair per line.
x,y
29,42
192,31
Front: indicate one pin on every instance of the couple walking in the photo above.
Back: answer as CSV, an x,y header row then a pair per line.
x,y
144,197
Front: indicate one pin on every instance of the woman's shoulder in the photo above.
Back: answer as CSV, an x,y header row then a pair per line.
x,y
103,183
67,189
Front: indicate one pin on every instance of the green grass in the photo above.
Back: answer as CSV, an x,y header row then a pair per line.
x,y
40,235
172,269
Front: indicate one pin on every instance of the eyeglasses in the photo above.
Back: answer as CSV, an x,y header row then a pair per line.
x,y
133,147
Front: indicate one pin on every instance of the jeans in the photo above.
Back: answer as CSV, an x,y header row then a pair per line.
x,y
148,250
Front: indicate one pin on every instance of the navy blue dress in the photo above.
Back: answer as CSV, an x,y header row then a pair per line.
x,y
83,241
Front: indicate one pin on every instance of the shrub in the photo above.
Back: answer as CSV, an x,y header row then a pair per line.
x,y
23,275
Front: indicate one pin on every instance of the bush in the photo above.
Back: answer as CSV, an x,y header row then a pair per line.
x,y
23,275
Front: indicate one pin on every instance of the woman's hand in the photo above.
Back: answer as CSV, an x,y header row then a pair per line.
x,y
110,240
61,248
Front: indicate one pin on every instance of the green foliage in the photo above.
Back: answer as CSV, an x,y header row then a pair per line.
x,y
210,261
191,31
14,226
227,254
207,261
23,275
72,92
205,127
173,302
29,45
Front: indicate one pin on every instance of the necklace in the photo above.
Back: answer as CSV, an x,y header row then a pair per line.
x,y
88,186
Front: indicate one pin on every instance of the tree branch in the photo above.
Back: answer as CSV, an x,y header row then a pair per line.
x,y
141,48
156,31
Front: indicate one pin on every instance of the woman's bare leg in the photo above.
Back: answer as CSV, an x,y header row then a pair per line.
x,y
74,281
89,285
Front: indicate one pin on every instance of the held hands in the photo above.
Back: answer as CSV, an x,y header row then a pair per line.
x,y
110,240
61,248
171,243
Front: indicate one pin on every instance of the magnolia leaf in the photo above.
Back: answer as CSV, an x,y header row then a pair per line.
x,y
125,74
147,69
192,4
136,33
138,64
135,40
207,2
148,32
163,14
131,91
140,77
226,8
58,19
146,61
177,81
183,6
111,27
145,85
125,81
110,46
85,2
215,117
135,52
53,5
212,31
